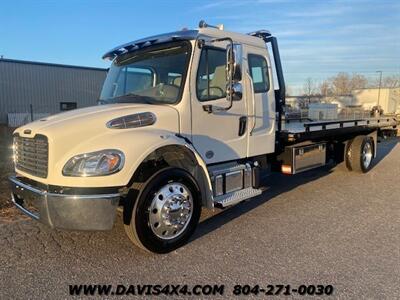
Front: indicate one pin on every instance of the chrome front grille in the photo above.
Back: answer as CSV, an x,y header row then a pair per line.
x,y
31,155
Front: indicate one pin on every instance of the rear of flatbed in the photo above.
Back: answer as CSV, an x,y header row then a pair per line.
x,y
302,146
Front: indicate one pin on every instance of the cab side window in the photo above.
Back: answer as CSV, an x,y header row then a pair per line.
x,y
259,73
211,79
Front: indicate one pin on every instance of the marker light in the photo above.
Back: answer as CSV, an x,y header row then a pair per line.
x,y
286,169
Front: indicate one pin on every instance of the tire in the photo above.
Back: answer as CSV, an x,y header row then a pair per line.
x,y
347,155
359,154
166,212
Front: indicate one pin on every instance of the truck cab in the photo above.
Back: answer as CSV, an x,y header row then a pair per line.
x,y
190,74
185,120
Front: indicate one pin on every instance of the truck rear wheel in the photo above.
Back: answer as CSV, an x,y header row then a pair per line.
x,y
166,211
359,154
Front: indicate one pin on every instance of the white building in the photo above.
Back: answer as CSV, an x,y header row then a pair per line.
x,y
387,98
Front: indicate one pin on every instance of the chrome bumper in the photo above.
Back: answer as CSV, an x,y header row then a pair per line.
x,y
75,212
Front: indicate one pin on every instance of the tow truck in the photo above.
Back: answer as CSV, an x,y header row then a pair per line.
x,y
186,120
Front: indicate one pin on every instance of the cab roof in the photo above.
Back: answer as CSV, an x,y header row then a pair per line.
x,y
251,39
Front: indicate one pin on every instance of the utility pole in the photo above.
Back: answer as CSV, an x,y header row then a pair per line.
x,y
380,83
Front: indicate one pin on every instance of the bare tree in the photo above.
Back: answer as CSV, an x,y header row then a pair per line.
x,y
325,88
341,84
358,81
309,88
392,81
344,84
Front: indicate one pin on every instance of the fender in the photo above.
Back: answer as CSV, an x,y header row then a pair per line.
x,y
157,139
163,147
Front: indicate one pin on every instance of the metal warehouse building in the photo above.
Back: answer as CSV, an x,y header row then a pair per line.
x,y
31,90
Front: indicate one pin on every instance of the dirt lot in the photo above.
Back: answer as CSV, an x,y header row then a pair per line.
x,y
321,227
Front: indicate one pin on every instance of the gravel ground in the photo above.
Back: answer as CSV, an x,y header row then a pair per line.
x,y
320,227
6,166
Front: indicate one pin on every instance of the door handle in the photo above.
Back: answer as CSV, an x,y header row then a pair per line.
x,y
242,125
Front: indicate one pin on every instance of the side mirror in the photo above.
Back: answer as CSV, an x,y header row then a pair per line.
x,y
233,73
236,91
234,65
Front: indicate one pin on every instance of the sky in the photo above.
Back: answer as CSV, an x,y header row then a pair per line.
x,y
317,39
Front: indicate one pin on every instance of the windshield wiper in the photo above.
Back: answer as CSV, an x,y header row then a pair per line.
x,y
128,97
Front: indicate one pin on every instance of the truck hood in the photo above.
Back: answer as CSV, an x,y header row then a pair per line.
x,y
91,121
85,130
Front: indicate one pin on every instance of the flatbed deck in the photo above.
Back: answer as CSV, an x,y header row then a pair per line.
x,y
297,131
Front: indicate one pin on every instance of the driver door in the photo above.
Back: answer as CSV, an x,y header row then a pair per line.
x,y
215,135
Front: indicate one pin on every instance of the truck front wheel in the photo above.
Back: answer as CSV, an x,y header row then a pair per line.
x,y
360,154
166,211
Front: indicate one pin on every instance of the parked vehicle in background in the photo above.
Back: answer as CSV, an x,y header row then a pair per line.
x,y
188,119
376,111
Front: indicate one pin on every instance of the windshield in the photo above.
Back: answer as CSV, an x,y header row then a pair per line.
x,y
153,75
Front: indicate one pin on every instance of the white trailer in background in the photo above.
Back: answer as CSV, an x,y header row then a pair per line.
x,y
322,111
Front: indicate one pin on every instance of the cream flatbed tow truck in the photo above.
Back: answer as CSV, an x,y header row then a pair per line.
x,y
186,120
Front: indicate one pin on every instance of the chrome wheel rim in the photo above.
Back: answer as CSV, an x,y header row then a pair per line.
x,y
367,155
171,210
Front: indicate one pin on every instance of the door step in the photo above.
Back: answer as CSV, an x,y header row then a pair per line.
x,y
236,197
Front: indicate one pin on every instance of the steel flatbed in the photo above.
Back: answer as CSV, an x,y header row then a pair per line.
x,y
299,131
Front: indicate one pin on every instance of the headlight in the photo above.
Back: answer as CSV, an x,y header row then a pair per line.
x,y
99,163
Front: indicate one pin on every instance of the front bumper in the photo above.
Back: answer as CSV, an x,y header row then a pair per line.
x,y
65,211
